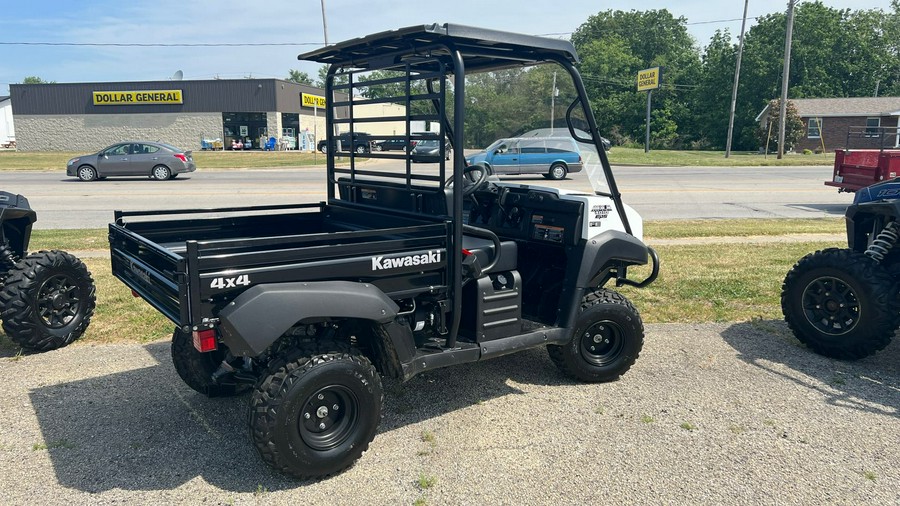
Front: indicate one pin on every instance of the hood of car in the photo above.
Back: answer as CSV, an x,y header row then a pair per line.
x,y
477,158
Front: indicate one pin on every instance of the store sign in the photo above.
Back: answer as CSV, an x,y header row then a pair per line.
x,y
648,79
148,97
312,100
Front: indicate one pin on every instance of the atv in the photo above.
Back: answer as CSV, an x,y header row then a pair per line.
x,y
843,302
407,267
46,298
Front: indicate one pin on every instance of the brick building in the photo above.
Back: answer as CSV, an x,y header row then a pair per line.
x,y
828,122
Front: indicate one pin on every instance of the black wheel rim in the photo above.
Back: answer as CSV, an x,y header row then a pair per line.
x,y
328,417
57,301
602,343
831,306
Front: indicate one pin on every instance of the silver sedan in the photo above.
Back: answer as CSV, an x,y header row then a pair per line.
x,y
134,158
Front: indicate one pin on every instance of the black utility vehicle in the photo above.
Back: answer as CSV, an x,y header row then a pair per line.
x,y
47,297
404,269
361,143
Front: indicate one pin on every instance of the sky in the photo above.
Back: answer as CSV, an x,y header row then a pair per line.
x,y
295,23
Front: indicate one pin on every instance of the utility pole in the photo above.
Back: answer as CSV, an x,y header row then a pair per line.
x,y
734,89
324,23
552,102
784,76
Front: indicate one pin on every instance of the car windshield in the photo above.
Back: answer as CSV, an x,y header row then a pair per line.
x,y
494,145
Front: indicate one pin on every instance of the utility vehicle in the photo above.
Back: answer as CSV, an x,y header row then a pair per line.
x,y
405,268
46,298
875,158
843,302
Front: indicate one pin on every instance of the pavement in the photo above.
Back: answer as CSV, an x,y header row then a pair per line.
x,y
722,413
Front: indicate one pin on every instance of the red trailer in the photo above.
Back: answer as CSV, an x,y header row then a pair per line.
x,y
858,168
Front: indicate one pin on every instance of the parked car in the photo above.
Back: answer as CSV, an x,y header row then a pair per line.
x,y
425,150
398,144
554,157
361,143
134,158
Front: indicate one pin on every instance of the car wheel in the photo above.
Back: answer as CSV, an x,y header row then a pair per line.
x,y
360,150
324,149
87,173
316,412
47,301
161,173
841,303
608,338
557,171
379,147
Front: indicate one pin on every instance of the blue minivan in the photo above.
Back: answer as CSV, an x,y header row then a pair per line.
x,y
554,157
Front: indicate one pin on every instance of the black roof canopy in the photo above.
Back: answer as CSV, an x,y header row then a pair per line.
x,y
482,49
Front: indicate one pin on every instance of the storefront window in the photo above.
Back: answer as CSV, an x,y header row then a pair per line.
x,y
244,129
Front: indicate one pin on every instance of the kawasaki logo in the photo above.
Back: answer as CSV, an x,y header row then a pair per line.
x,y
381,263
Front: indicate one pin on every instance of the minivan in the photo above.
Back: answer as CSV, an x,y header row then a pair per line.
x,y
554,157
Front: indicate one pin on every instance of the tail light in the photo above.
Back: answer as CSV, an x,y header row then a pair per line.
x,y
181,157
205,340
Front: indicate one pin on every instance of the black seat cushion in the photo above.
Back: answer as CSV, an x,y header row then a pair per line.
x,y
484,249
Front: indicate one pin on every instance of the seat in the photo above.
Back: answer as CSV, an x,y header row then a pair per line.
x,y
483,249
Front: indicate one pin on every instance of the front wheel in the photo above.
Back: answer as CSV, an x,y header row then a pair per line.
x,y
324,149
313,416
47,300
361,150
161,173
87,173
841,303
608,338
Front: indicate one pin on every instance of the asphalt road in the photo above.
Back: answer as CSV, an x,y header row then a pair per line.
x,y
656,192
718,414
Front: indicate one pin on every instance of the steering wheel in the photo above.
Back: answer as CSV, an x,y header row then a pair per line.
x,y
474,178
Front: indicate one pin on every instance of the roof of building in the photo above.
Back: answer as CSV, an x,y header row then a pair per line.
x,y
831,107
4,97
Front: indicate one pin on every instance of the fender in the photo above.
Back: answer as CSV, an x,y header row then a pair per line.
x,y
598,254
263,313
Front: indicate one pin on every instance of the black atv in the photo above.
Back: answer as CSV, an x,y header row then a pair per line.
x,y
843,302
46,298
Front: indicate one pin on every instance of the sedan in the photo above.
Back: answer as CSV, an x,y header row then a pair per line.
x,y
135,158
429,151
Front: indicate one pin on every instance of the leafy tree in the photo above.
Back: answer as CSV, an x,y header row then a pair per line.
x,y
36,80
296,76
793,126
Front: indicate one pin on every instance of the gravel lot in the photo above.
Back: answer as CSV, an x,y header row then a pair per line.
x,y
736,413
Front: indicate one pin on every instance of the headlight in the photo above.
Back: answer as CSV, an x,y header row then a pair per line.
x,y
72,161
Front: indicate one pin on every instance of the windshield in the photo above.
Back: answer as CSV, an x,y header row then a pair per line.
x,y
494,145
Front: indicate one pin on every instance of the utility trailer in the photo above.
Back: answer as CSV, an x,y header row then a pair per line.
x,y
405,268
876,160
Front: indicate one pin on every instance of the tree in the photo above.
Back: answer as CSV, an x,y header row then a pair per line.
x,y
793,126
36,80
614,46
296,76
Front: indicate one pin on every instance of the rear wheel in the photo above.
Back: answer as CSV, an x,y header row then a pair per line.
x,y
608,338
316,413
360,149
557,171
161,173
47,300
87,173
324,149
196,369
841,303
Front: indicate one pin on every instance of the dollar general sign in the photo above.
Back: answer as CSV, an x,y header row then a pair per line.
x,y
312,100
648,79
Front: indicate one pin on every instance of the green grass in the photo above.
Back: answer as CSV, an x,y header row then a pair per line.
x,y
647,419
688,426
667,158
426,481
26,160
677,229
62,443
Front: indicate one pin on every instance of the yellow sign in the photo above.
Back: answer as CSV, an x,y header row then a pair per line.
x,y
648,79
312,100
138,97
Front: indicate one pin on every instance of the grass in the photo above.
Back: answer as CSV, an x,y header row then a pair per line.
x,y
62,443
688,426
426,481
678,229
25,160
869,475
697,283
647,419
666,158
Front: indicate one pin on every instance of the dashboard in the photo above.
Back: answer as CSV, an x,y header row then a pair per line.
x,y
524,213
